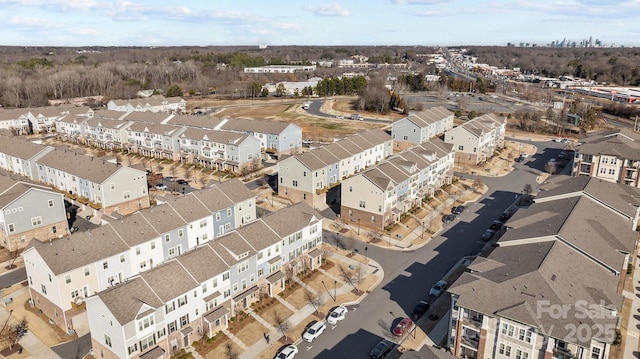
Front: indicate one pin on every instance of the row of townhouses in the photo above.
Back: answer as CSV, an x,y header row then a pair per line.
x,y
37,120
224,144
63,272
29,211
476,140
378,196
100,184
422,126
553,286
156,103
612,156
307,176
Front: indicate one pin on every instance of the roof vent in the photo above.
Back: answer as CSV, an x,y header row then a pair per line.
x,y
553,278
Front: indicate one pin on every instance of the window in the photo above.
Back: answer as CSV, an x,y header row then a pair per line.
x,y
126,195
113,185
86,271
133,348
172,327
362,204
595,353
218,216
180,233
12,228
295,183
153,245
107,340
122,258
43,289
243,266
105,265
521,355
182,301
50,202
143,265
147,342
170,307
167,237
203,223
172,251
138,251
67,278
145,323
460,148
36,221
260,272
227,226
204,288
225,276
162,332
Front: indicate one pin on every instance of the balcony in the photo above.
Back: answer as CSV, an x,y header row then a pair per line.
x,y
473,322
470,341
563,353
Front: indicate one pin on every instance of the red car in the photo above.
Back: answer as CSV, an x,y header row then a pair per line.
x,y
402,327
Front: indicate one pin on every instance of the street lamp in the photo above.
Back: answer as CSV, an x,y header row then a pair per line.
x,y
327,289
365,253
422,234
335,288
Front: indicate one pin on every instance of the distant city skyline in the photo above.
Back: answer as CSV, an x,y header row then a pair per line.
x,y
291,22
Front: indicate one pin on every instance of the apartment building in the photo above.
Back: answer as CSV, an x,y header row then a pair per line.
x,y
108,187
155,140
420,127
612,156
558,269
475,140
378,196
226,151
29,211
156,103
19,156
62,273
307,176
168,307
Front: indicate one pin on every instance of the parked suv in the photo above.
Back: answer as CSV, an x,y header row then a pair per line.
x,y
313,331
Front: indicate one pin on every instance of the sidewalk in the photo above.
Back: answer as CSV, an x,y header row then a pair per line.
x,y
633,328
304,314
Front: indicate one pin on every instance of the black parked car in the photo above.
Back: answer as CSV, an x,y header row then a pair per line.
x,y
496,225
382,349
457,210
182,182
448,218
488,234
419,310
505,215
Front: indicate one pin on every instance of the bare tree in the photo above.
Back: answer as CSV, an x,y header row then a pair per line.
x,y
550,167
13,333
312,298
352,276
527,189
477,184
229,351
281,323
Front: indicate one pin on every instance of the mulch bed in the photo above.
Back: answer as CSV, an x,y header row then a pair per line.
x,y
6,351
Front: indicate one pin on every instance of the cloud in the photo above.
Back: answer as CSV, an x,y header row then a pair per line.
x,y
334,9
58,5
418,2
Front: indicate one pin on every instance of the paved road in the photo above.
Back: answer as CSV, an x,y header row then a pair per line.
x,y
314,109
409,275
15,276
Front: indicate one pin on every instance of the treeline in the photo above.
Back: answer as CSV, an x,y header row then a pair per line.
x,y
335,86
619,66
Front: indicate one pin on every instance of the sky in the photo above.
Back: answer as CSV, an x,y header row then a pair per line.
x,y
298,22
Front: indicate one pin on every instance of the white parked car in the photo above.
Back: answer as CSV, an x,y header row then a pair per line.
x,y
161,187
314,331
337,314
438,288
287,352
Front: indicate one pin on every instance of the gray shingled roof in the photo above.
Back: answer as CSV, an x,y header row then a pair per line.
x,y
578,221
169,280
19,147
207,122
126,300
150,117
291,219
235,190
429,116
80,249
523,276
271,127
91,168
203,263
10,190
259,235
623,143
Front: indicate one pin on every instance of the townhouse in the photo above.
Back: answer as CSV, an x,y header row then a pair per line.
x,y
226,151
100,184
155,140
29,211
20,156
552,288
166,308
276,138
377,197
15,120
308,176
612,156
156,103
105,132
476,140
422,126
63,273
